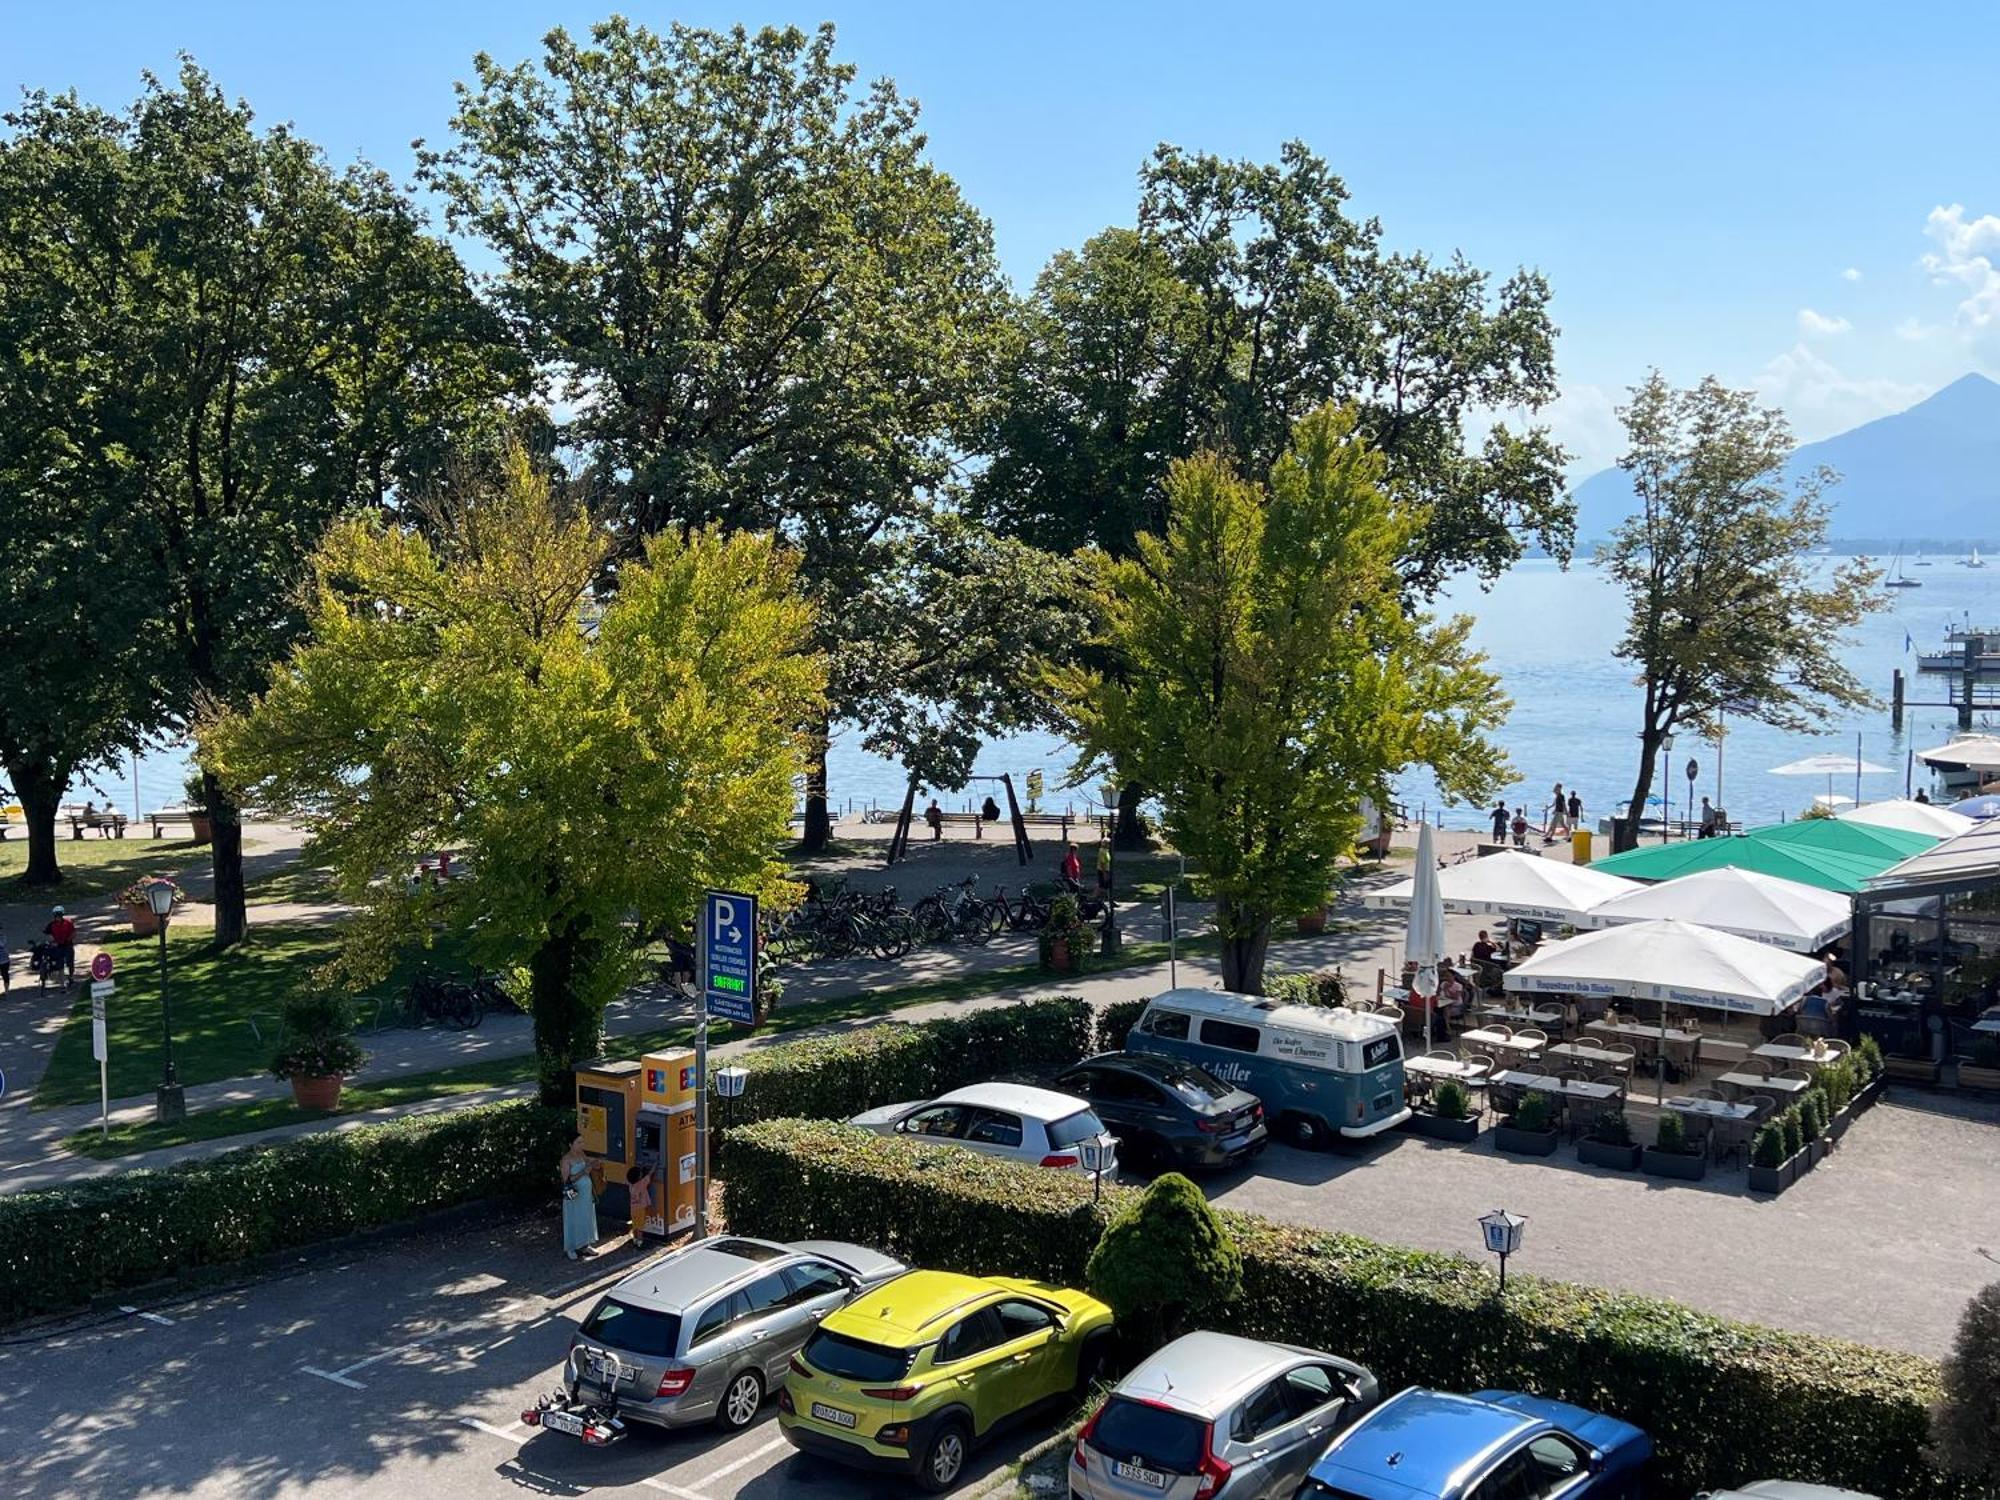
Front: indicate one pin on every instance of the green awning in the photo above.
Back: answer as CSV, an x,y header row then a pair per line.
x,y
1837,836
1828,869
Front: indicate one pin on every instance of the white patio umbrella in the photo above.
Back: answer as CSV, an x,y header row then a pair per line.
x,y
1513,884
1834,764
1423,940
1673,963
1911,816
1763,908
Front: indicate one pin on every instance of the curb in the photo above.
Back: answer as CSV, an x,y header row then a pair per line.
x,y
1010,1482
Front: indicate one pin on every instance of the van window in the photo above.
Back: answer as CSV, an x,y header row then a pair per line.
x,y
1228,1034
1171,1024
1381,1050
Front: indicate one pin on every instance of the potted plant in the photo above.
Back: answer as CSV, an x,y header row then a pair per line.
x,y
1812,1126
139,911
1791,1124
1981,1069
1870,1066
1671,1156
318,1051
1449,1118
1609,1143
1771,1169
1066,937
1530,1131
194,795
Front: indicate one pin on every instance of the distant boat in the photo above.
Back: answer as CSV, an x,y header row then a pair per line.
x,y
1922,561
1896,580
1973,561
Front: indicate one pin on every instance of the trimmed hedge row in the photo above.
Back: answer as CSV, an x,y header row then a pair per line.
x,y
1725,1402
1115,1021
61,1247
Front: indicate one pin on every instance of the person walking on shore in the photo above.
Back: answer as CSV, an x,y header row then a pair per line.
x,y
1558,825
1575,810
1500,822
934,815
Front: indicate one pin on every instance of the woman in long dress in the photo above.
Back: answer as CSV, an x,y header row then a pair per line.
x,y
579,1207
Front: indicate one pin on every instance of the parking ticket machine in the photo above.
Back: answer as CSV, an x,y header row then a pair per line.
x,y
665,1138
607,1117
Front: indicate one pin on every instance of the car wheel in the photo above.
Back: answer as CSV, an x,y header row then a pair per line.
x,y
739,1405
1090,1362
1307,1132
944,1458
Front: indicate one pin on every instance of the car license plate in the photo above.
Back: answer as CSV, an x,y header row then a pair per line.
x,y
1236,1142
824,1413
1140,1475
562,1421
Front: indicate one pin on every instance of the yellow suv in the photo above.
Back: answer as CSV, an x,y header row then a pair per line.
x,y
908,1377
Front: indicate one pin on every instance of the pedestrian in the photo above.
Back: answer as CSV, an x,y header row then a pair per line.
x,y
1520,828
578,1205
1104,868
1707,820
639,1188
1558,826
1500,821
1923,796
1072,868
934,815
61,931
1575,810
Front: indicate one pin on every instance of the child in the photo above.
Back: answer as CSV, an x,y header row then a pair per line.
x,y
639,1187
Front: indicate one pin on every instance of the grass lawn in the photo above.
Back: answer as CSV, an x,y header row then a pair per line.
x,y
94,866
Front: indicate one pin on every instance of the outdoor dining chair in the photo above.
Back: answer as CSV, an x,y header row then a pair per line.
x,y
1478,1068
1790,1039
1626,1058
1707,1093
1837,1047
1697,1127
1764,1104
1730,1138
1533,1034
1792,1075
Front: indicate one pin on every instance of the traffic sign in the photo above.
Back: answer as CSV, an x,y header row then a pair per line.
x,y
98,1049
101,966
729,957
99,988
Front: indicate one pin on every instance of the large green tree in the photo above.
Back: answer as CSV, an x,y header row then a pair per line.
x,y
1271,674
760,302
248,345
1730,607
597,763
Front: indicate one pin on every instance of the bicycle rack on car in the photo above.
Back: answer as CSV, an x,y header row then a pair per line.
x,y
565,1410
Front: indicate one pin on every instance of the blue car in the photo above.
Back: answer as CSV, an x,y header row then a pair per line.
x,y
1496,1445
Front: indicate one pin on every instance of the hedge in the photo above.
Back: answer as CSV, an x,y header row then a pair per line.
x,y
62,1247
1115,1021
1725,1402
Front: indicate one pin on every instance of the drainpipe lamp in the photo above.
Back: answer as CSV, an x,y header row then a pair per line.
x,y
1503,1237
169,1103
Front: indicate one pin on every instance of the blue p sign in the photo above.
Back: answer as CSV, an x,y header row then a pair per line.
x,y
729,957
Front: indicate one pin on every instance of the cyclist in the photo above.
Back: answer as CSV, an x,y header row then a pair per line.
x,y
62,932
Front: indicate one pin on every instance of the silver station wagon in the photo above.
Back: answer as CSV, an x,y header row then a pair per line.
x,y
702,1334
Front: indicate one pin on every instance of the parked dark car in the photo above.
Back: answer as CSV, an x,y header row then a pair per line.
x,y
1168,1113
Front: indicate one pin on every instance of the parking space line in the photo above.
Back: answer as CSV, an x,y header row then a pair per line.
x,y
516,1438
673,1489
746,1460
334,1376
150,1317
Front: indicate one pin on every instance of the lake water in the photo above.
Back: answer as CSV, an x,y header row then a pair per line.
x,y
1549,632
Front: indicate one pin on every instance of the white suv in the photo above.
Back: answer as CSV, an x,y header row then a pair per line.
x,y
1037,1126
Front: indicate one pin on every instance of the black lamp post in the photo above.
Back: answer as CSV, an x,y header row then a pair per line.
x,y
1666,789
170,1103
1108,795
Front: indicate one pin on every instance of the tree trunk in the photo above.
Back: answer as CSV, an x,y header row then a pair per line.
x,y
1129,833
40,788
1649,747
1246,940
232,915
568,1029
818,830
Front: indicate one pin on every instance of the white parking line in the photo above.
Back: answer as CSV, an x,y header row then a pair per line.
x,y
665,1487
516,1438
334,1376
746,1460
150,1317
673,1489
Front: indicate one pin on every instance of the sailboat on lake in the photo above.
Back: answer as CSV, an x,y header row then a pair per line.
x,y
1972,561
1896,580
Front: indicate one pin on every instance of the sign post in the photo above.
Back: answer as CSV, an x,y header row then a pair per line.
x,y
100,988
728,993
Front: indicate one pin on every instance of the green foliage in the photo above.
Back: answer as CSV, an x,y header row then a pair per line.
x,y
1246,296
1812,1115
62,1247
1793,1125
1320,987
1533,1112
1768,1147
1164,1262
1818,810
1269,676
1451,1102
1066,925
194,788
318,1039
1985,1053
1611,1128
1115,1022
1672,1138
597,765
1726,1402
1965,1421
1870,1052
1728,611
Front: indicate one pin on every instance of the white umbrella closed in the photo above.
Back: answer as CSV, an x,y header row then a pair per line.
x,y
1763,908
1513,884
1910,816
1423,940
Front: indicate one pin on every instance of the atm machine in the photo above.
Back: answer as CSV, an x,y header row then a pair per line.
x,y
664,1137
607,1117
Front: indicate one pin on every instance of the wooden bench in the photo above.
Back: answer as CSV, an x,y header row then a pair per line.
x,y
170,815
109,825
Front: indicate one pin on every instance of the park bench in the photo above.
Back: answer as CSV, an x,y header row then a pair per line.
x,y
168,815
110,825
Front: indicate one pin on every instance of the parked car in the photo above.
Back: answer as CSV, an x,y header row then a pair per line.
x,y
1321,1073
703,1333
1011,1120
1785,1489
1496,1445
907,1378
1219,1417
1166,1113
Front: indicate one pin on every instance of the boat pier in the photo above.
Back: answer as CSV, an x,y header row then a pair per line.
x,y
1970,661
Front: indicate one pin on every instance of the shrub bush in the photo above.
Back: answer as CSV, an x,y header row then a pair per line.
x,y
1450,1102
1726,1402
1610,1128
1812,1116
1965,1421
1793,1124
1673,1136
1768,1148
1532,1113
318,1040
1870,1053
1115,1022
1321,987
61,1247
1066,924
1164,1263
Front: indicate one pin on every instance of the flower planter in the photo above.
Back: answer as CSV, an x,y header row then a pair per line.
x,y
1981,1080
1816,1151
144,923
1776,1179
1691,1167
1313,923
1437,1128
316,1093
202,826
1912,1070
1604,1154
1059,955
1842,1118
1519,1142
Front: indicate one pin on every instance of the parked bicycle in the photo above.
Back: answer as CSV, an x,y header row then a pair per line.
x,y
445,1000
955,913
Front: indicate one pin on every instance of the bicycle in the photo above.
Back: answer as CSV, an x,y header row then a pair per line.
x,y
445,1000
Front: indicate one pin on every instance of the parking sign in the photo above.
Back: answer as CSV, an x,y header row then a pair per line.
x,y
729,957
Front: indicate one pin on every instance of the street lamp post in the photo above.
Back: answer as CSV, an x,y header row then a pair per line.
x,y
1108,795
1503,1237
1666,789
169,1104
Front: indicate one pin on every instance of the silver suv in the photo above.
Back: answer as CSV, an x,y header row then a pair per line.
x,y
705,1333
1214,1415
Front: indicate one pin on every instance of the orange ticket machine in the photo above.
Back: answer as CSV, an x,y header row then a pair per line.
x,y
666,1139
607,1117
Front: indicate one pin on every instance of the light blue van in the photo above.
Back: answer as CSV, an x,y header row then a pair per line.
x,y
1321,1073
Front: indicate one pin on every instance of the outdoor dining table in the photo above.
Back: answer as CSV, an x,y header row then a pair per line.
x,y
1811,1057
1640,1032
1568,1088
1719,1109
1522,1015
1757,1083
1584,1052
1527,1046
1437,1067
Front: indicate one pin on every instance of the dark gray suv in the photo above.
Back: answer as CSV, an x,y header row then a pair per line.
x,y
705,1333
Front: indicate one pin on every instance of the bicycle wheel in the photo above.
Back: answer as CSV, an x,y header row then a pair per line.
x,y
459,1007
932,923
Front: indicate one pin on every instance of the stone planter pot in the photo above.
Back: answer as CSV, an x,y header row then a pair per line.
x,y
317,1093
1912,1070
1982,1080
203,827
1313,923
1059,955
144,923
1434,1128
1776,1179
1604,1154
1519,1142
1689,1168
1816,1150
1842,1118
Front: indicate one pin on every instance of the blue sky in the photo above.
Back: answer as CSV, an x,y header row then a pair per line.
x,y
1801,198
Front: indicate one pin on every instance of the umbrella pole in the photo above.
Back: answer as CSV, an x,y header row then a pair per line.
x,y
1660,1074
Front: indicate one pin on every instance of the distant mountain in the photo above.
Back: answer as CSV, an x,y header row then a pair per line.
x,y
1930,472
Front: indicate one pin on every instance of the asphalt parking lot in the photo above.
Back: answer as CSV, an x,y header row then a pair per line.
x,y
398,1373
